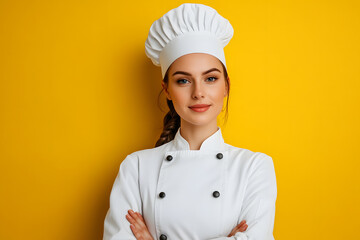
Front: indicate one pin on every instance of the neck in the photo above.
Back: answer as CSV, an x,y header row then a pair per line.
x,y
195,135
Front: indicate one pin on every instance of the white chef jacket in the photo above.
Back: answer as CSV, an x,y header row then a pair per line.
x,y
186,194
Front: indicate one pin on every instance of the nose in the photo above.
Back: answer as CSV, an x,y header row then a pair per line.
x,y
198,91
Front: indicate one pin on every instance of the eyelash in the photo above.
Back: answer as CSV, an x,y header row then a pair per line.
x,y
179,81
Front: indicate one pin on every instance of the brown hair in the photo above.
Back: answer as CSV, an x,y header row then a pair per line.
x,y
172,119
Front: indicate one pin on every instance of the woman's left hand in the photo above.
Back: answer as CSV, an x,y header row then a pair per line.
x,y
138,226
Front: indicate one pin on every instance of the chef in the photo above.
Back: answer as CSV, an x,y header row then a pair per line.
x,y
192,185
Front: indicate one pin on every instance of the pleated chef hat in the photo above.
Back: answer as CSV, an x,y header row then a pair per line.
x,y
189,28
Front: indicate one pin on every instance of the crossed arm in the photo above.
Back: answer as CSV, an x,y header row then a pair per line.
x,y
258,205
140,231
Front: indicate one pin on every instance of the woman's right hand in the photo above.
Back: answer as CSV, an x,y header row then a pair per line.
x,y
138,226
241,227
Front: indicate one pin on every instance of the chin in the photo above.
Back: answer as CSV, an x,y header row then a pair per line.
x,y
197,118
198,121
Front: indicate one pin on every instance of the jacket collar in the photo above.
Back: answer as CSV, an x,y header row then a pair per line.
x,y
213,142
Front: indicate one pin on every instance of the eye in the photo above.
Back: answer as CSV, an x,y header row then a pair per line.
x,y
181,81
213,79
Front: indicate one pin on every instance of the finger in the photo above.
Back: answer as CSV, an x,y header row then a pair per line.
x,y
242,223
140,216
140,232
139,220
235,230
136,227
237,227
130,219
133,221
134,216
243,228
135,231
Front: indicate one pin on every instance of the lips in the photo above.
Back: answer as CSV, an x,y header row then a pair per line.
x,y
200,107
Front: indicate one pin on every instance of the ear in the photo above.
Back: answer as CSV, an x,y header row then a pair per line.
x,y
164,86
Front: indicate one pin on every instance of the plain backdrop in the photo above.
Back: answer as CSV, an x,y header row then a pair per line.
x,y
77,94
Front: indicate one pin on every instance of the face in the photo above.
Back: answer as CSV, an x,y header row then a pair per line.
x,y
196,79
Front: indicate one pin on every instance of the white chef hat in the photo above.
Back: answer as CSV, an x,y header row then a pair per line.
x,y
189,28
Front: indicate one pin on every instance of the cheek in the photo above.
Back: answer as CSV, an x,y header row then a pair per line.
x,y
218,95
179,96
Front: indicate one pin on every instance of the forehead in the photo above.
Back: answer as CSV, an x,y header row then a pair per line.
x,y
195,63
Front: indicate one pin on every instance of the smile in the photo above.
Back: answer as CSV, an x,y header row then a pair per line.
x,y
200,109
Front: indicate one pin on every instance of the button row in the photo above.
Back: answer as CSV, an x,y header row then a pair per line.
x,y
218,156
216,194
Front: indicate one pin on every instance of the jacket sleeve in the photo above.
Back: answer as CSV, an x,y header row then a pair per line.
x,y
259,202
125,195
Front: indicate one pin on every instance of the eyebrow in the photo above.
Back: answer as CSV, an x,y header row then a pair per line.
x,y
188,74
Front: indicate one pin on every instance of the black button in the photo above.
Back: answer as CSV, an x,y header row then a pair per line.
x,y
169,158
219,155
216,194
162,194
163,237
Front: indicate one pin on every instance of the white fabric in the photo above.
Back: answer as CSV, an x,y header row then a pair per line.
x,y
245,180
189,28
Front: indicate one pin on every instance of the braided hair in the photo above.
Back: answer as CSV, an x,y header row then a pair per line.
x,y
172,119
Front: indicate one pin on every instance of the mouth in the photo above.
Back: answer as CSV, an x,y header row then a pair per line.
x,y
200,107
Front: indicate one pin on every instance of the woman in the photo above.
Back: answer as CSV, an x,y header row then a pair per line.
x,y
192,185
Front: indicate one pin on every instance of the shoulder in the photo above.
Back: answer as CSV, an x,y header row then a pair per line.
x,y
146,154
149,152
252,161
257,166
247,154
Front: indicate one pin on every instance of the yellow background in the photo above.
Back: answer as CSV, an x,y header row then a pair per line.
x,y
78,94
